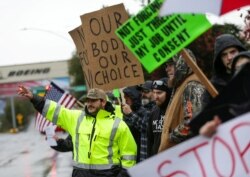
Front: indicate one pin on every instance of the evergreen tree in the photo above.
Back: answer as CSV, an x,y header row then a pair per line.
x,y
76,73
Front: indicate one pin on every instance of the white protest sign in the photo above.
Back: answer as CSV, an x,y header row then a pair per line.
x,y
227,153
50,133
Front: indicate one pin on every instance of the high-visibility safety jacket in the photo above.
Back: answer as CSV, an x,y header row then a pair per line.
x,y
118,111
99,143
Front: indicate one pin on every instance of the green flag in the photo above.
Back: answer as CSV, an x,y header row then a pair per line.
x,y
116,93
154,39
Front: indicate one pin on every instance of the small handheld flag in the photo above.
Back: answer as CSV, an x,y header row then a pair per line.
x,y
55,93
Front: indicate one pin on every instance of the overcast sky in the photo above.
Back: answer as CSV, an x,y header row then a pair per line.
x,y
33,31
37,30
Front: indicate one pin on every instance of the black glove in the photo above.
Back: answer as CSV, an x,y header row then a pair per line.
x,y
123,173
239,109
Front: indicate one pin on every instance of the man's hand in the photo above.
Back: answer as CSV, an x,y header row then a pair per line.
x,y
126,109
209,128
23,91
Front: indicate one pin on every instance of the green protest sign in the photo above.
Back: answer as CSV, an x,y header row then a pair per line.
x,y
154,39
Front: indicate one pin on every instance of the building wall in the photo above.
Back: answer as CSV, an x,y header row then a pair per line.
x,y
33,75
37,71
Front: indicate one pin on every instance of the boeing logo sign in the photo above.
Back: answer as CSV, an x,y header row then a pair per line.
x,y
27,72
38,71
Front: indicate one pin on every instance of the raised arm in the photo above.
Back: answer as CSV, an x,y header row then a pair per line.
x,y
37,101
25,92
209,128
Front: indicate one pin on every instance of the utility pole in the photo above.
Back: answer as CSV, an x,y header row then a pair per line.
x,y
13,114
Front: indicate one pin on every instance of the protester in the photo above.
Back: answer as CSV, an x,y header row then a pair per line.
x,y
239,61
103,144
133,111
147,96
186,101
162,95
209,128
170,68
225,48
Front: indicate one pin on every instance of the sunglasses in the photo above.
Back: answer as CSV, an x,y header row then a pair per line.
x,y
158,83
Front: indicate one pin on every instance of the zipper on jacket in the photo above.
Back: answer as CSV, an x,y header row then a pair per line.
x,y
91,137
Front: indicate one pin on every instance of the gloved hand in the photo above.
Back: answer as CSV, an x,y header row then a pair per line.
x,y
123,173
239,109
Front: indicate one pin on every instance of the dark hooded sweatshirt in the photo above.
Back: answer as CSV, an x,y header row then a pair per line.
x,y
156,120
220,76
133,93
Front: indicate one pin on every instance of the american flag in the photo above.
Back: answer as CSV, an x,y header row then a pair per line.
x,y
58,95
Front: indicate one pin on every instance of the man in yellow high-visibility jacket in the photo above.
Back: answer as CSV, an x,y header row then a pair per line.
x,y
103,145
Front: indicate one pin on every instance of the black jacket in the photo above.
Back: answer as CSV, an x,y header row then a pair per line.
x,y
139,111
232,102
155,127
64,145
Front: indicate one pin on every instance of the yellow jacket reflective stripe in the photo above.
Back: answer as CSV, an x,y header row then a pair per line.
x,y
118,111
98,142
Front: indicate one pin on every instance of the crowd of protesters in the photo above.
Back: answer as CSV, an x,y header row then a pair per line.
x,y
153,117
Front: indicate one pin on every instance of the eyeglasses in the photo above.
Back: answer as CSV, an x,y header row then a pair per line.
x,y
158,83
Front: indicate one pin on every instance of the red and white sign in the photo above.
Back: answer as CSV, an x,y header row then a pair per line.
x,y
217,7
227,153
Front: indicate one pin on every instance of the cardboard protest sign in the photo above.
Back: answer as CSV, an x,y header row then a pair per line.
x,y
78,37
227,153
107,62
155,39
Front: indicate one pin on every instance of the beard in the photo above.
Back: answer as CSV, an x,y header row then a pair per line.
x,y
92,110
171,82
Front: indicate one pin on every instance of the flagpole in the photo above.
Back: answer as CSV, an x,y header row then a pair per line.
x,y
80,103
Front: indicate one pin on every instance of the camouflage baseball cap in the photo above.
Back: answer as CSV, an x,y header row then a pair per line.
x,y
182,70
181,65
96,93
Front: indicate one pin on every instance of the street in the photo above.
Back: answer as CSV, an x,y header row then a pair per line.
x,y
27,154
